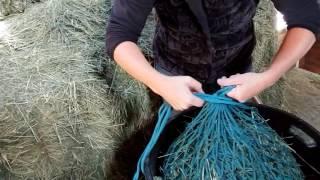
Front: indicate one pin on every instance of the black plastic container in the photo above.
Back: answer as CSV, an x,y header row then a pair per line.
x,y
302,138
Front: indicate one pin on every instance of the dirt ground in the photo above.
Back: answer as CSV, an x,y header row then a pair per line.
x,y
301,95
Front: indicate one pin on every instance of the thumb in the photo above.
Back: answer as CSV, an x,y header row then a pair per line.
x,y
234,80
195,85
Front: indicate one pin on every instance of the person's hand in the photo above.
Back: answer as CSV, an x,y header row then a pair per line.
x,y
248,84
178,91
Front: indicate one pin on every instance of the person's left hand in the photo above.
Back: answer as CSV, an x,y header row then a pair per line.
x,y
247,85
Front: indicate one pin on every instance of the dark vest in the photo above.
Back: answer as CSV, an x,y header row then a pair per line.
x,y
205,39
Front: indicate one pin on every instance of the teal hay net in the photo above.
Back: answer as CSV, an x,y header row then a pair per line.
x,y
226,140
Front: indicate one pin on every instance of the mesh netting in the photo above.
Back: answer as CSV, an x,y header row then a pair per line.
x,y
226,140
229,140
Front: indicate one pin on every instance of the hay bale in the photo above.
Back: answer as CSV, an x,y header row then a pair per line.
x,y
58,118
8,7
267,45
266,34
55,112
302,95
130,91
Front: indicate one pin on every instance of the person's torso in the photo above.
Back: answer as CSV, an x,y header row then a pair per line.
x,y
182,45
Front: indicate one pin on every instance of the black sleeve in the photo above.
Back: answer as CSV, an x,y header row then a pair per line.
x,y
300,13
127,20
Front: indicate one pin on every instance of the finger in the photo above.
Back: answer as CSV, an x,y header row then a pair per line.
x,y
197,102
223,77
174,105
237,94
232,76
234,80
195,85
177,107
183,107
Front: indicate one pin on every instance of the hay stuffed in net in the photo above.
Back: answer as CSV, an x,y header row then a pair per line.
x,y
229,140
226,140
58,118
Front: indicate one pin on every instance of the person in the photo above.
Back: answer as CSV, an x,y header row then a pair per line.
x,y
200,45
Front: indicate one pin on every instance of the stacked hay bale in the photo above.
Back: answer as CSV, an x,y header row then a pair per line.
x,y
59,118
267,44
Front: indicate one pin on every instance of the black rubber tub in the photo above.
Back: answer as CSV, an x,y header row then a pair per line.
x,y
302,137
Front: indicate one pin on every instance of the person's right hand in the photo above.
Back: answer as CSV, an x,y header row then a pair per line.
x,y
178,91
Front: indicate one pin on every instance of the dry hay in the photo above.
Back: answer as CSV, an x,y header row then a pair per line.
x,y
130,91
267,44
59,119
8,7
298,91
302,95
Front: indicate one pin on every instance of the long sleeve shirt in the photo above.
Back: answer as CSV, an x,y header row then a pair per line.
x,y
199,37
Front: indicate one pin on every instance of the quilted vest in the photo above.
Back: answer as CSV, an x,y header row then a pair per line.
x,y
205,39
